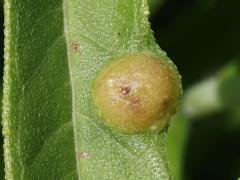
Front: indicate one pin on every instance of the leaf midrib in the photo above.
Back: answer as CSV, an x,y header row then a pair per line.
x,y
65,9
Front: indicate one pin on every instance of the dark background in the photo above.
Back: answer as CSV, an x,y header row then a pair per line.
x,y
202,36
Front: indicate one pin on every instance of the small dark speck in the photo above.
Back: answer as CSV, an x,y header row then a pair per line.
x,y
119,34
125,90
83,155
75,47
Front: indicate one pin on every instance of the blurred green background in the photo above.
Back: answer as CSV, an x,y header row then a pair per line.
x,y
202,37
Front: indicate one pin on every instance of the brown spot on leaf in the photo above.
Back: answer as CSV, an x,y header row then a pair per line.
x,y
83,155
75,47
127,93
125,90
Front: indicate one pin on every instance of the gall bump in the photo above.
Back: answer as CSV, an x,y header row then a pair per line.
x,y
137,93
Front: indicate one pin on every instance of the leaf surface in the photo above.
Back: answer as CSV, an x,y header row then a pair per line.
x,y
53,51
177,144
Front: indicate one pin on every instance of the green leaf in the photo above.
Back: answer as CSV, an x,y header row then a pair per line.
x,y
214,94
1,91
53,51
1,140
230,85
202,98
212,107
177,144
